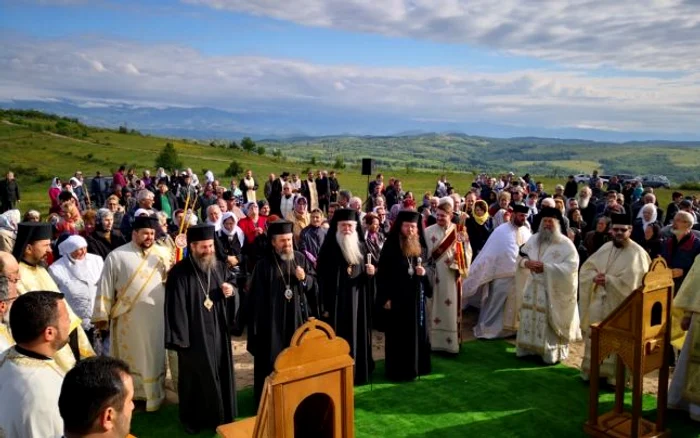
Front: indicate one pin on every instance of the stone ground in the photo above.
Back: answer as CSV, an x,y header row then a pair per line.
x,y
244,361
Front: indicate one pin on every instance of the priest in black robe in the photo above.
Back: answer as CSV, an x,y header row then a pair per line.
x,y
197,292
281,298
344,276
403,286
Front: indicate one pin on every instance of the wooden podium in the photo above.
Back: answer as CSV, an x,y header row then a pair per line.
x,y
309,393
638,332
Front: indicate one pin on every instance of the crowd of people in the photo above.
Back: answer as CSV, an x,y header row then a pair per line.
x,y
126,281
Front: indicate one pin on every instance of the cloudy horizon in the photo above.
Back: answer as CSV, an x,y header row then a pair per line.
x,y
630,66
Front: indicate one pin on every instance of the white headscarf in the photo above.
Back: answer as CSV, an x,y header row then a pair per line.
x,y
654,214
76,181
236,230
71,244
55,183
13,218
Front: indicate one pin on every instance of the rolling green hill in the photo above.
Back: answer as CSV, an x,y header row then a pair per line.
x,y
678,161
39,146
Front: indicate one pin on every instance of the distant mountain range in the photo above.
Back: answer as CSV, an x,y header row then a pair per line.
x,y
272,124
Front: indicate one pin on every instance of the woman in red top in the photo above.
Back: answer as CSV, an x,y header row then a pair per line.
x,y
54,191
253,224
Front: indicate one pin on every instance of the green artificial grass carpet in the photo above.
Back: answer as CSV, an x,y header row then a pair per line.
x,y
484,392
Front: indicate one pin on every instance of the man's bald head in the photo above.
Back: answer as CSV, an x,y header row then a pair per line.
x,y
9,268
8,264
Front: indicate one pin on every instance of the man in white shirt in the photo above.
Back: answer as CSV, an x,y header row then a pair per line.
x,y
30,380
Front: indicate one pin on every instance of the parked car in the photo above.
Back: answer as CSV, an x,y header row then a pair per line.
x,y
582,178
655,181
624,177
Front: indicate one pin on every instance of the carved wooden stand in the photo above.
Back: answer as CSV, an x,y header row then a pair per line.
x,y
638,332
309,393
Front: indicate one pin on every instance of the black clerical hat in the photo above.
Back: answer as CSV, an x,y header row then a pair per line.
x,y
146,222
30,232
517,208
408,216
345,214
620,219
228,195
279,227
551,212
200,232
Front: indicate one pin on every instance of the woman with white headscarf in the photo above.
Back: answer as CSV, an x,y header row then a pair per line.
x,y
54,190
647,216
77,273
8,229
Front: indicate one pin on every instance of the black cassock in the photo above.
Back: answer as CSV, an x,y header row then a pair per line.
x,y
201,338
273,318
348,300
407,345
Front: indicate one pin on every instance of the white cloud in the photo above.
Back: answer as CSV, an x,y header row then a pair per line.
x,y
628,34
180,76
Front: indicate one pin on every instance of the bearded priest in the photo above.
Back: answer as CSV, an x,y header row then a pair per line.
x,y
605,280
282,297
547,282
130,303
344,283
403,286
197,295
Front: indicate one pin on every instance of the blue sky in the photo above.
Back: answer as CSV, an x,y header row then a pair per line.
x,y
626,66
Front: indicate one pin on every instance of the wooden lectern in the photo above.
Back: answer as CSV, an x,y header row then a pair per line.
x,y
309,393
638,332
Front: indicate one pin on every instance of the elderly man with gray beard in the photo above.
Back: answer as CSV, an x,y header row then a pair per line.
x,y
546,285
345,275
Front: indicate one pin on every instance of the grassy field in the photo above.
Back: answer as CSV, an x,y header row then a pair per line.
x,y
36,156
485,391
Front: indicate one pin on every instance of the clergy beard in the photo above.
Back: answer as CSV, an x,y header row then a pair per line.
x,y
205,263
583,203
350,247
545,236
410,246
286,256
620,243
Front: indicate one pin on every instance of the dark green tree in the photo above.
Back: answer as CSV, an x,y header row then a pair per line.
x,y
261,150
168,158
234,169
248,144
339,163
